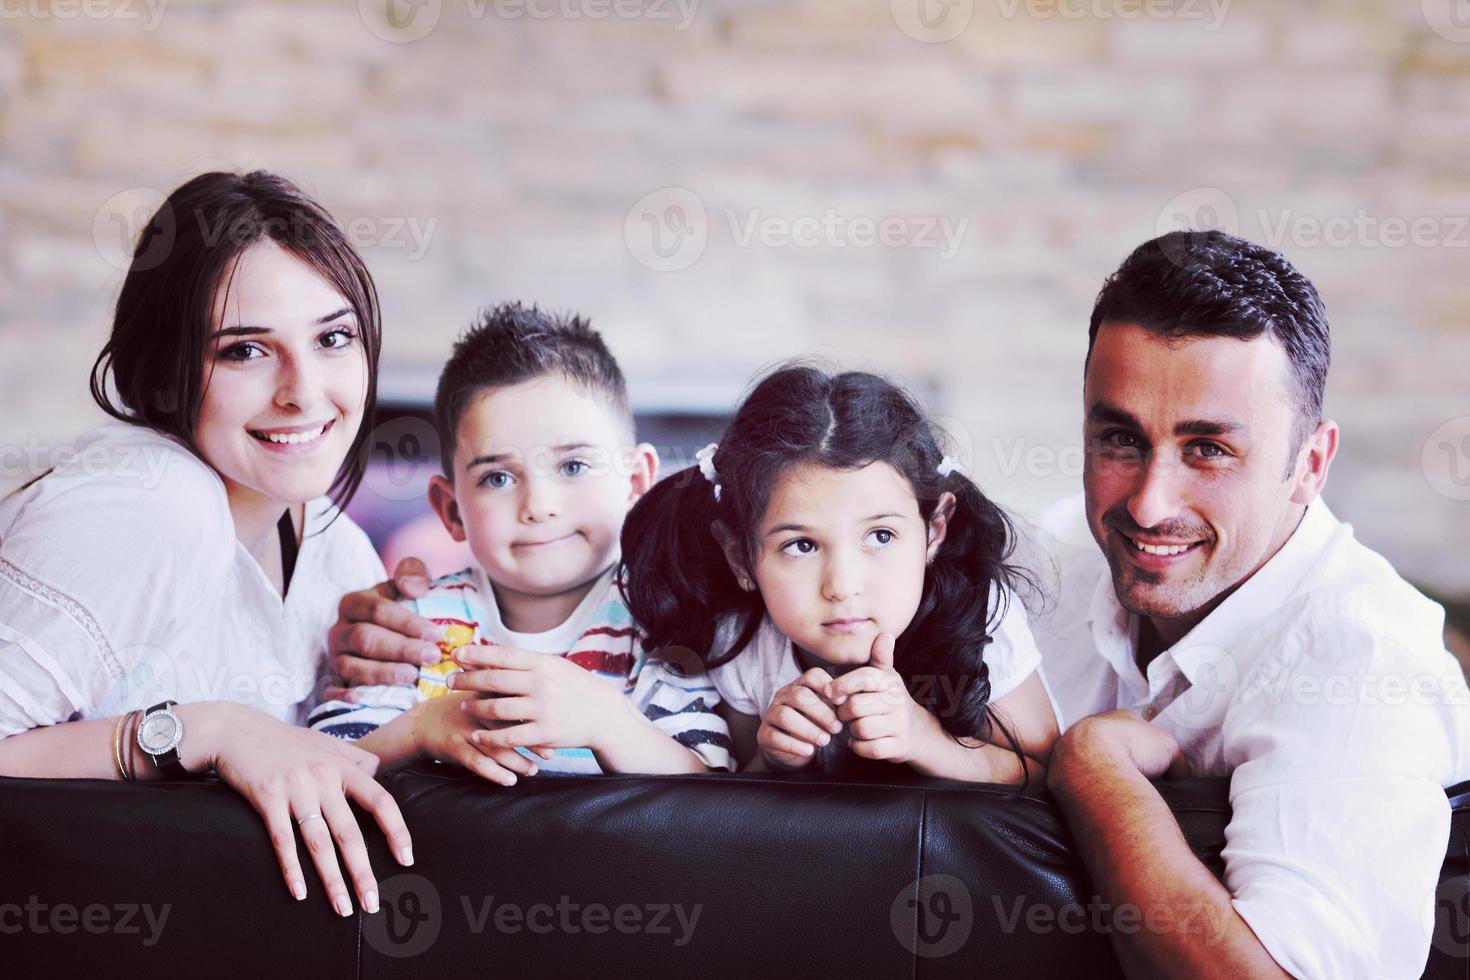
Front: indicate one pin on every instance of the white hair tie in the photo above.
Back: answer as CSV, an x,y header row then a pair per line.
x,y
949,465
706,458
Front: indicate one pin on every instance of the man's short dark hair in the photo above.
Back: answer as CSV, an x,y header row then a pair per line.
x,y
1210,284
510,344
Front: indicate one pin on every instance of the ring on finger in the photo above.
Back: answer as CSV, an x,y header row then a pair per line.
x,y
301,821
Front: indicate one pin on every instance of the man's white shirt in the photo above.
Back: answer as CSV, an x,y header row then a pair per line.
x,y
1323,689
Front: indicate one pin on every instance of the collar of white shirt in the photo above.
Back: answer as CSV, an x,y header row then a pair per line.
x,y
1198,654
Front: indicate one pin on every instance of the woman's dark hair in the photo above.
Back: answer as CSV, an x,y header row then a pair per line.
x,y
156,357
678,585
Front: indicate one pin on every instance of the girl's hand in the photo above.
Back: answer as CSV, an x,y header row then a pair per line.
x,y
798,721
884,720
538,699
445,731
298,778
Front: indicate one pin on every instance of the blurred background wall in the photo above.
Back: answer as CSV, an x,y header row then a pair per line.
x,y
929,188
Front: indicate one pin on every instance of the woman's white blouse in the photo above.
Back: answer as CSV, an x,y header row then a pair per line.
x,y
122,584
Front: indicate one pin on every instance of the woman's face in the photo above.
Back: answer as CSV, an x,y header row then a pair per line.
x,y
286,379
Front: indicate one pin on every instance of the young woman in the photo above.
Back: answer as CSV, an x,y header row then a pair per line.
x,y
165,590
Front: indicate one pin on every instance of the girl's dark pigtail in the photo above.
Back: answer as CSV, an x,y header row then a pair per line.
x,y
673,573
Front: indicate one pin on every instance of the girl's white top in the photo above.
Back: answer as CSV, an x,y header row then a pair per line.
x,y
768,663
122,584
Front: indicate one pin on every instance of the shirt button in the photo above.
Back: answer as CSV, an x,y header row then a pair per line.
x,y
1150,713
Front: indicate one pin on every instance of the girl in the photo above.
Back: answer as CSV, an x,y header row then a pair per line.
x,y
187,551
839,575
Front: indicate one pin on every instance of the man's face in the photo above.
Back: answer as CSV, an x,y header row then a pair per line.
x,y
1189,482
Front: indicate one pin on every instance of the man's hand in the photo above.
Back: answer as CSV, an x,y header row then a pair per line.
x,y
378,641
1115,735
885,721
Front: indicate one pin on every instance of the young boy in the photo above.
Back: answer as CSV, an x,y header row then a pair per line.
x,y
540,467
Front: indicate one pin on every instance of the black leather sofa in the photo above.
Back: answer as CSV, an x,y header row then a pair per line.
x,y
747,876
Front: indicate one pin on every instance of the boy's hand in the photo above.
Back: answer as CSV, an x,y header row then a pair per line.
x,y
798,721
884,720
378,641
547,700
443,730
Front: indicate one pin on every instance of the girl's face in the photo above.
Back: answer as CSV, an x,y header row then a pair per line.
x,y
841,556
286,381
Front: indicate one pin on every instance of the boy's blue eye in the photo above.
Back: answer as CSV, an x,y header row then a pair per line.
x,y
574,467
495,479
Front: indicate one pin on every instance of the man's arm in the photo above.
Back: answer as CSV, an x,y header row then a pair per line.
x,y
1139,860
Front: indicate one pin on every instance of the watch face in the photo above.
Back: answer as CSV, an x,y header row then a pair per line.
x,y
158,733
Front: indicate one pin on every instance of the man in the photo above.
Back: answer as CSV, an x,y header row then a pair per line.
x,y
1232,626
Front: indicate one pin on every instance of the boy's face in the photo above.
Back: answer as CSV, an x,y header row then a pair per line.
x,y
544,473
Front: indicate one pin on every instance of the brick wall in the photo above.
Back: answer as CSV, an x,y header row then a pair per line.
x,y
932,191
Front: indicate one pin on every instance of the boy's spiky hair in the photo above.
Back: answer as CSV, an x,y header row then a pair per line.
x,y
511,343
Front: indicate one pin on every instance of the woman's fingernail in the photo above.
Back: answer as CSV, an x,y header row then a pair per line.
x,y
343,905
370,903
836,727
430,656
298,890
430,634
533,771
826,739
405,857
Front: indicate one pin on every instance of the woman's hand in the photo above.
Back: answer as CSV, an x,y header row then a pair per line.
x,y
885,721
444,730
798,722
298,778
